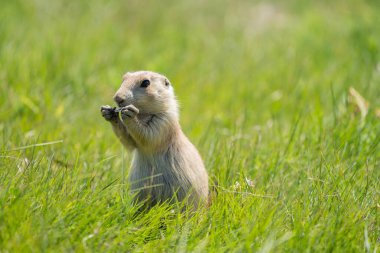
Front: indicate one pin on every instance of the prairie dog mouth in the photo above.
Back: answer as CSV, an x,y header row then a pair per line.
x,y
122,104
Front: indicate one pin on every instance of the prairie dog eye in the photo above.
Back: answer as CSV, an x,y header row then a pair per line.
x,y
145,83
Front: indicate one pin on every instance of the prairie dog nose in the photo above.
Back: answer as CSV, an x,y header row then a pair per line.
x,y
119,99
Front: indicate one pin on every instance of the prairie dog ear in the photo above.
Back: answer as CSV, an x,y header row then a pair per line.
x,y
167,83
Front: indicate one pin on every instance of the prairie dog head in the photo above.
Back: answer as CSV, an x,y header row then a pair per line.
x,y
150,92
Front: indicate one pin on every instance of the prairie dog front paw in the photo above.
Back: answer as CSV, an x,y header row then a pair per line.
x,y
108,113
128,112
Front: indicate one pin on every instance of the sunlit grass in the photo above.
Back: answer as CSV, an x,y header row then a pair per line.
x,y
263,89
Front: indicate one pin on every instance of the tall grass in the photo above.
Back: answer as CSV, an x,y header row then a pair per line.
x,y
263,90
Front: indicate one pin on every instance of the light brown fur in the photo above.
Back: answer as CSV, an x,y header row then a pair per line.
x,y
165,166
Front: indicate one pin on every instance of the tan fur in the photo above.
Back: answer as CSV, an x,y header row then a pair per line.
x,y
166,166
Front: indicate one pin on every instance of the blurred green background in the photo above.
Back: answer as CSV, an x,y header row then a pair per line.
x,y
263,89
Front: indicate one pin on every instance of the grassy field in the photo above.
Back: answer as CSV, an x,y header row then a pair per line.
x,y
263,88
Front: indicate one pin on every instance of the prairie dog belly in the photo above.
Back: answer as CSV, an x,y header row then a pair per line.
x,y
172,175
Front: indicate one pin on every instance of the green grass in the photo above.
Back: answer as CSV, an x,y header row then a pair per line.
x,y
263,90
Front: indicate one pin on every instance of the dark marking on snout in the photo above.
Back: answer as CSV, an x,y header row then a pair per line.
x,y
119,99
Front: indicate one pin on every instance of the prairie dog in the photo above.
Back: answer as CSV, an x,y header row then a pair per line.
x,y
166,166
